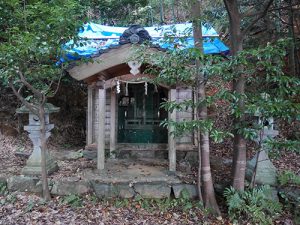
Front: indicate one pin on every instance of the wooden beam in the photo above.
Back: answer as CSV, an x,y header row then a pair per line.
x,y
112,141
171,137
90,115
101,129
104,61
129,77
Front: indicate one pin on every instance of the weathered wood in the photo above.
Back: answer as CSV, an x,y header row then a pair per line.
x,y
131,78
90,116
148,147
112,141
101,130
171,137
107,60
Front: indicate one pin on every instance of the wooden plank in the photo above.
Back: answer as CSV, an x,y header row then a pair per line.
x,y
148,147
112,141
171,138
101,130
90,116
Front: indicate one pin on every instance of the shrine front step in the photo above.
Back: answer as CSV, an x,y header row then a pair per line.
x,y
67,186
140,150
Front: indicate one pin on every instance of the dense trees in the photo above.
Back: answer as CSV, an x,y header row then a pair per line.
x,y
205,182
32,34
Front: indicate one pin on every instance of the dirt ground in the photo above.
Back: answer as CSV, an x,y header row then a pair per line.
x,y
30,209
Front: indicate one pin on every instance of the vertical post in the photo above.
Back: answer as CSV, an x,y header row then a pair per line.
x,y
101,129
171,137
90,116
112,141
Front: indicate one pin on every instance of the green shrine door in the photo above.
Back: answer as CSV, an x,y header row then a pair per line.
x,y
140,115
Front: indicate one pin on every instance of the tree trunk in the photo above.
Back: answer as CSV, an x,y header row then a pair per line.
x,y
199,181
162,14
46,192
239,148
208,193
292,54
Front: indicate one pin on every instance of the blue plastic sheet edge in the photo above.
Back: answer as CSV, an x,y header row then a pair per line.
x,y
96,38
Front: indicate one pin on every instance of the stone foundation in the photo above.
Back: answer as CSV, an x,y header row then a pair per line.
x,y
75,186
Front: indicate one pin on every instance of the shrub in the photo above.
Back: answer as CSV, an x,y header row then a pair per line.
x,y
288,177
252,206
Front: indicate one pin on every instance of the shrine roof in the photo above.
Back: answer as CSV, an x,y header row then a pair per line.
x,y
96,39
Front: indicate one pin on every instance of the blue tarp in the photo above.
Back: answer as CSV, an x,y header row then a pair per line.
x,y
96,38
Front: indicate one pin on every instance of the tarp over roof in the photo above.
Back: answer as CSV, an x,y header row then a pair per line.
x,y
97,38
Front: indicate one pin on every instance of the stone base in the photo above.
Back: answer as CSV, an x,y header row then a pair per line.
x,y
36,169
191,189
24,184
266,173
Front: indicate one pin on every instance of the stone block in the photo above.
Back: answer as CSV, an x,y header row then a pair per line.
x,y
33,165
150,190
192,158
3,180
103,190
266,173
90,154
70,186
190,188
125,191
68,155
24,184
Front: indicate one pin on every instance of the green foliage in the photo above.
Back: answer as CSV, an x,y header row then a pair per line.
x,y
32,34
175,68
252,206
93,198
11,198
30,206
143,12
114,12
3,188
72,200
269,91
289,145
288,177
120,203
184,203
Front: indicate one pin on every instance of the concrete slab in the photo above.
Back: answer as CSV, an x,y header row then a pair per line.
x,y
133,171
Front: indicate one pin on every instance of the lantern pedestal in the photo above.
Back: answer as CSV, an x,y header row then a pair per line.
x,y
34,163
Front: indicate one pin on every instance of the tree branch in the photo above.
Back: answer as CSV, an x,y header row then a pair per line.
x,y
261,15
58,84
30,106
269,10
29,86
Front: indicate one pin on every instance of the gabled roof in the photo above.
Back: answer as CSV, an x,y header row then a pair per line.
x,y
97,39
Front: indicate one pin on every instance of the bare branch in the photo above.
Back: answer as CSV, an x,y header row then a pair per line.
x,y
30,106
29,86
260,15
59,80
20,89
248,14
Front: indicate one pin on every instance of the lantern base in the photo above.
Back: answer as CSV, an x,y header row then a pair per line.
x,y
33,166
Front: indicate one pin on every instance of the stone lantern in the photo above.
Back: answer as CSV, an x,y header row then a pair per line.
x,y
33,164
266,172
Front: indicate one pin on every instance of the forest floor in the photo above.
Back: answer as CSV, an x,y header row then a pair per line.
x,y
22,208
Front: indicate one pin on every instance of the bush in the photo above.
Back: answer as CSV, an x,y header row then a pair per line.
x,y
288,177
72,200
252,206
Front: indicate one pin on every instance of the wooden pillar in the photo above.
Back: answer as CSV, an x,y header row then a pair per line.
x,y
90,116
101,129
112,140
171,137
